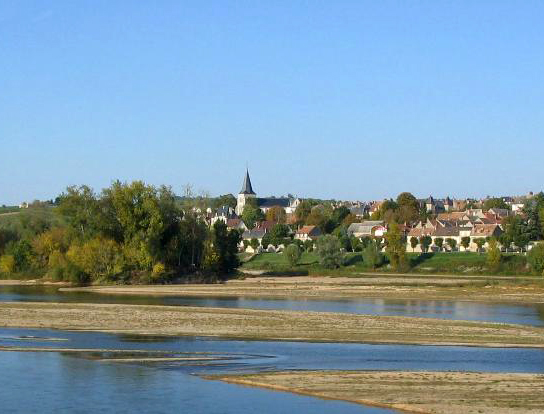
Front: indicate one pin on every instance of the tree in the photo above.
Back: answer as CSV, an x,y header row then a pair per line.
x,y
276,214
452,243
101,259
224,200
279,233
535,257
252,215
80,207
292,253
266,240
465,242
328,251
303,211
7,264
372,257
396,248
425,242
480,241
493,256
254,243
414,242
439,242
495,203
225,246
408,208
356,244
308,245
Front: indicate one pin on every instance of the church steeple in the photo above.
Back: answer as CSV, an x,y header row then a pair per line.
x,y
246,186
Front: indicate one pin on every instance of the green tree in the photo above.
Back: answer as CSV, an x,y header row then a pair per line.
x,y
279,233
292,253
493,256
101,259
254,243
414,242
452,243
495,203
396,248
308,245
372,257
480,241
535,257
303,211
425,242
252,215
266,240
439,242
80,207
7,264
328,251
225,244
408,208
465,242
227,200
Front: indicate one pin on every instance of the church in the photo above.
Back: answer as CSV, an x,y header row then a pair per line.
x,y
265,204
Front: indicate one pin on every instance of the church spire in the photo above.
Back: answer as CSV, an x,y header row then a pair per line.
x,y
246,186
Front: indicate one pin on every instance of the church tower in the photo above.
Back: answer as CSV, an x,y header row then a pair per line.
x,y
245,194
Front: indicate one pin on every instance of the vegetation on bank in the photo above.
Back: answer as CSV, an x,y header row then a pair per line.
x,y
129,233
354,263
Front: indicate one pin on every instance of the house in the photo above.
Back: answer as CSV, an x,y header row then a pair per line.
x,y
236,224
289,204
368,228
308,233
255,233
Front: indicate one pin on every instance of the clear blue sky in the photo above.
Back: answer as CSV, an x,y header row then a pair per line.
x,y
335,99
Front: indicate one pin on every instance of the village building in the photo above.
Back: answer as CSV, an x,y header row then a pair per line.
x,y
308,233
369,228
288,204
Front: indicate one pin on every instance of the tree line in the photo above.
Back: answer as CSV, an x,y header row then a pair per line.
x,y
129,232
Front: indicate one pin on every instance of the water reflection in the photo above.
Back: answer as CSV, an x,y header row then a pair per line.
x,y
524,314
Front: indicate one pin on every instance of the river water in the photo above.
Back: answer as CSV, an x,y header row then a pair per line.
x,y
59,382
524,314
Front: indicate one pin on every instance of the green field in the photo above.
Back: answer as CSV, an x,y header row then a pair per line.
x,y
435,263
33,217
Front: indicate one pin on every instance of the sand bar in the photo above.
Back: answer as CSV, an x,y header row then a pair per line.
x,y
266,324
413,392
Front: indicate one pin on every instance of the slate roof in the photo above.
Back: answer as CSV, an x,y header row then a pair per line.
x,y
253,234
246,186
273,202
309,230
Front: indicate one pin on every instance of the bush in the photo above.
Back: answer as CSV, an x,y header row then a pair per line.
x,y
372,257
7,264
328,251
536,258
493,256
76,276
292,254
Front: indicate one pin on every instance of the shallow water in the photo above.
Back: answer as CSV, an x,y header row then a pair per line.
x,y
524,314
59,382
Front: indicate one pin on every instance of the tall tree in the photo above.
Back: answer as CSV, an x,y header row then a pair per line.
x,y
396,248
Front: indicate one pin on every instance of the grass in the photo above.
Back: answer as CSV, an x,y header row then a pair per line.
x,y
436,263
9,209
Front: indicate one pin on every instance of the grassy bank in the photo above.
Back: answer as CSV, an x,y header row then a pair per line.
x,y
266,325
413,392
461,263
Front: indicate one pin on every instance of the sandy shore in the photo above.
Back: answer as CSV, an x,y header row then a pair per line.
x,y
31,282
414,392
266,325
337,288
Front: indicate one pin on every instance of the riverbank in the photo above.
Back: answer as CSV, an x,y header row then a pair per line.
x,y
330,288
413,392
252,324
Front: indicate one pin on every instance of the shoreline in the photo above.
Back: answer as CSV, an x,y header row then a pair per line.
x,y
422,392
266,325
328,288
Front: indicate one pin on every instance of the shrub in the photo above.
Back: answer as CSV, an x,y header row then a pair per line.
x,y
493,256
99,258
328,251
372,257
7,264
535,257
292,253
